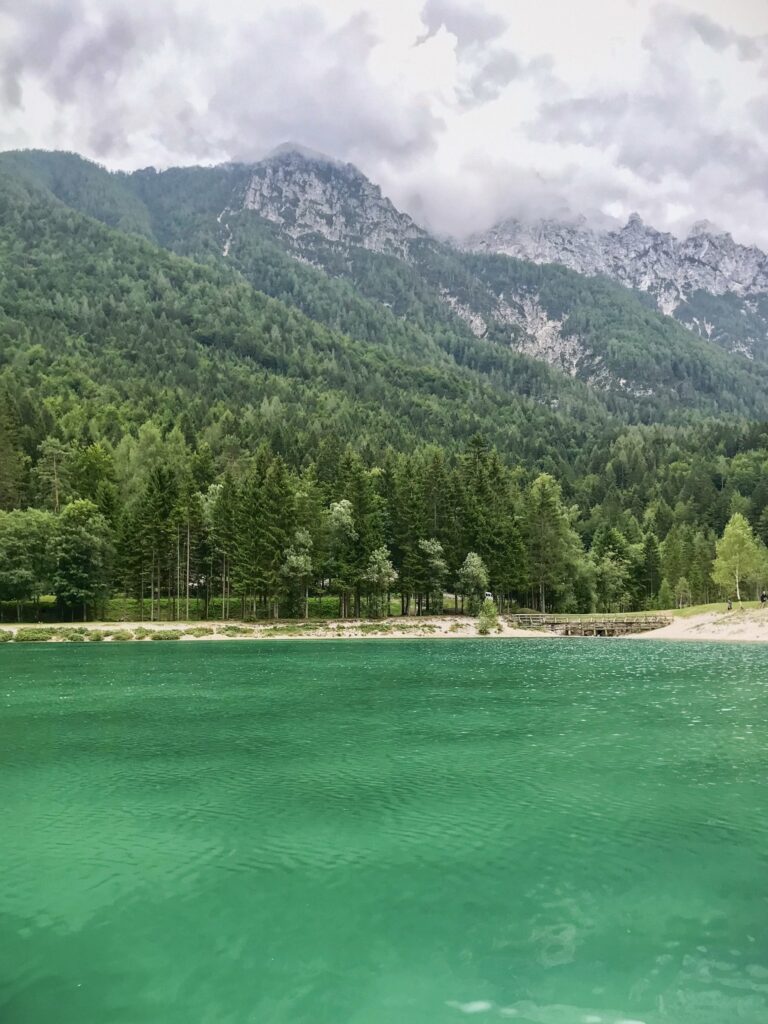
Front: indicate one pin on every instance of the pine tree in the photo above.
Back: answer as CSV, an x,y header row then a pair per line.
x,y
53,470
342,541
297,568
553,545
13,462
432,573
650,568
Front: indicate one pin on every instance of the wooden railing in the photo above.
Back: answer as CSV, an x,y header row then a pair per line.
x,y
592,625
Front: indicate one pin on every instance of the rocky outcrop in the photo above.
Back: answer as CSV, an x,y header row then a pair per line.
x,y
638,256
309,195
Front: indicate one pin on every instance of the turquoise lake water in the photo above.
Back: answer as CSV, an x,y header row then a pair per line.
x,y
384,832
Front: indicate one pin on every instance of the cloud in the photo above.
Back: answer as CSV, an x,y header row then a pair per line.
x,y
470,24
203,89
684,139
330,101
710,32
464,110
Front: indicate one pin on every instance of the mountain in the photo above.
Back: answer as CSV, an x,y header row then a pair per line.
x,y
319,237
206,363
717,288
311,231
103,331
310,194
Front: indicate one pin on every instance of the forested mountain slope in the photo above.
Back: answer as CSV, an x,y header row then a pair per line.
x,y
319,236
206,391
717,288
103,330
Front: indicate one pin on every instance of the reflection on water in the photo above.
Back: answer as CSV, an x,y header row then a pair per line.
x,y
541,831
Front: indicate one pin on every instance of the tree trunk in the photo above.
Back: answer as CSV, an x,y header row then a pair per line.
x,y
186,610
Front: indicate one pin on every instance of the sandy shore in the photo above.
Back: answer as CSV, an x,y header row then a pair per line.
x,y
438,627
738,626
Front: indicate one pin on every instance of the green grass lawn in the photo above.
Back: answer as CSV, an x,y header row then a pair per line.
x,y
324,608
717,606
128,609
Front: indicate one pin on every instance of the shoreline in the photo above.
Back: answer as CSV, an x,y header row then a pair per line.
x,y
740,626
428,627
737,626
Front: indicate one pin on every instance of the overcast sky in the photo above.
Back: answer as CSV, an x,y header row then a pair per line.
x,y
464,111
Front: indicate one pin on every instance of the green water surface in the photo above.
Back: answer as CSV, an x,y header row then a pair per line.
x,y
384,832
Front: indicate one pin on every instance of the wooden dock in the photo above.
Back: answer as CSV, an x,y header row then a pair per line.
x,y
590,626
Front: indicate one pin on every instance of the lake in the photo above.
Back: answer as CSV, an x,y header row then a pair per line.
x,y
384,832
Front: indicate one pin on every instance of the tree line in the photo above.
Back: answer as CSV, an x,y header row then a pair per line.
x,y
161,522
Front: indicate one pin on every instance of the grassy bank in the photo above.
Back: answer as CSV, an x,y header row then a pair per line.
x,y
127,609
395,626
106,632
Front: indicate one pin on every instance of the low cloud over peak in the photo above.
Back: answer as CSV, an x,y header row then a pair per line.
x,y
464,112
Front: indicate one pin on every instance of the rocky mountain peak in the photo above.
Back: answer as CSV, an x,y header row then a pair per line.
x,y
311,196
638,256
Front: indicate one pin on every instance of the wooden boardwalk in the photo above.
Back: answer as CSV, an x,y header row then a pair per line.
x,y
590,626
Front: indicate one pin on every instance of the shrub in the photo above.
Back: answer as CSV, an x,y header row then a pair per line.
x,y
165,634
289,629
5,636
34,634
95,634
141,632
488,618
121,634
236,630
199,631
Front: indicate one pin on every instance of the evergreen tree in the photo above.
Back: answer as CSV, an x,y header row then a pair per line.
x,y
342,542
297,568
12,459
650,569
552,543
432,573
666,598
682,593
53,470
